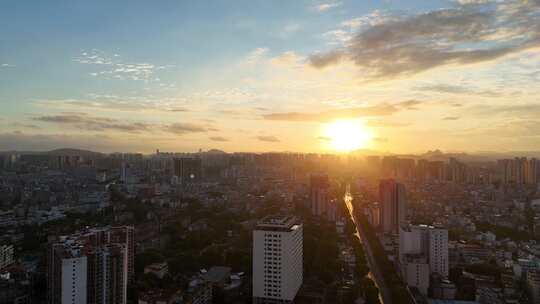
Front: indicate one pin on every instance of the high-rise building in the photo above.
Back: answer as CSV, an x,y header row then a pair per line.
x,y
6,255
438,251
416,272
125,235
392,198
321,204
533,285
277,259
90,266
423,250
67,279
188,170
124,172
519,170
457,171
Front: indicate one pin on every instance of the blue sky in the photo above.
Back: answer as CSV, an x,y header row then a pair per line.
x,y
229,65
187,34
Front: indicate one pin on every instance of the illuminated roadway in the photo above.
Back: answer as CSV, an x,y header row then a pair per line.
x,y
375,273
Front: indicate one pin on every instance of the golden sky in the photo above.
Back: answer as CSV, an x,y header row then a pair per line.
x,y
451,75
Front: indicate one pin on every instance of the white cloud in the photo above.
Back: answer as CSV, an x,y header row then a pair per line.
x,y
323,7
256,55
7,65
118,69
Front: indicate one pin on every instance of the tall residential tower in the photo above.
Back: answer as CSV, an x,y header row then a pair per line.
x,y
277,259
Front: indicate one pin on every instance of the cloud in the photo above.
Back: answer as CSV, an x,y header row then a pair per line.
x,y
466,34
471,2
24,125
324,138
256,55
457,89
357,112
119,103
410,104
218,138
323,7
513,129
113,67
374,18
185,128
268,138
451,118
513,110
6,65
89,123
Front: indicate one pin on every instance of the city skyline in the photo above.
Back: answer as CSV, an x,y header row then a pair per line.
x,y
306,76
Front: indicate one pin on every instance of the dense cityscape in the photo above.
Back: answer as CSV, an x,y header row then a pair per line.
x,y
215,227
270,152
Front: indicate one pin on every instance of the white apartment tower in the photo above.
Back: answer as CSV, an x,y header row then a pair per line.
x,y
90,267
423,250
277,259
73,276
438,251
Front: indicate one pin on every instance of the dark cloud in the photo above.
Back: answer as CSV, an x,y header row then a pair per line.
x,y
324,138
85,122
351,113
514,110
218,138
326,59
184,128
410,104
369,111
25,125
451,118
119,103
457,89
268,138
461,35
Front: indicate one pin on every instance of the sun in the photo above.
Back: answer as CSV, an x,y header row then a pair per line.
x,y
347,135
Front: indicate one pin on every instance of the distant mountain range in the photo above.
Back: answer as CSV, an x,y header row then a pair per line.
x,y
63,151
479,156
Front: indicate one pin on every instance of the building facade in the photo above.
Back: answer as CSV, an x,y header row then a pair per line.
x,y
277,259
91,266
188,170
392,198
6,255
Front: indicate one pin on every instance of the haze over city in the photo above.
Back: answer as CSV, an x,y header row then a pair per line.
x,y
270,152
398,76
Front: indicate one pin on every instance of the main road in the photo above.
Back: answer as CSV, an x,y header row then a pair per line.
x,y
375,273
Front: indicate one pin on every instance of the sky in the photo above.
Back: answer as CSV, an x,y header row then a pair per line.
x,y
459,75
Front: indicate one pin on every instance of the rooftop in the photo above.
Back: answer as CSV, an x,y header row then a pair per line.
x,y
282,221
217,274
